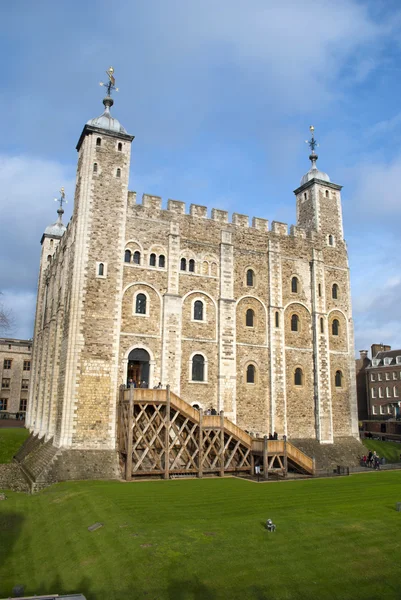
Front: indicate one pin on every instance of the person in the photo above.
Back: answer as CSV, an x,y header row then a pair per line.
x,y
208,412
275,435
143,384
270,436
370,455
131,383
257,471
270,526
376,461
159,387
213,411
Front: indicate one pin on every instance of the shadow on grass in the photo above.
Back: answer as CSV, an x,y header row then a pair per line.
x,y
190,588
10,529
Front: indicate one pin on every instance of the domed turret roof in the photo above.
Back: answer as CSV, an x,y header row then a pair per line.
x,y
57,229
106,121
314,173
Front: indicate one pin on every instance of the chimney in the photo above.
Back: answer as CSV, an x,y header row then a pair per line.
x,y
363,354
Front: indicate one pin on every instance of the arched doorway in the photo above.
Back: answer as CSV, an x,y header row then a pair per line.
x,y
138,367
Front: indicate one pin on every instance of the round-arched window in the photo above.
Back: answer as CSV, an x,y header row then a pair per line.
x,y
334,291
250,374
335,327
294,285
294,322
250,278
198,368
140,304
152,260
338,379
249,317
198,310
298,376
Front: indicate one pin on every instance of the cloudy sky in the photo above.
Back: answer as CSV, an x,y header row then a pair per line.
x,y
219,95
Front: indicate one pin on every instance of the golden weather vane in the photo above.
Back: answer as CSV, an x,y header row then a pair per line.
x,y
62,199
312,142
111,85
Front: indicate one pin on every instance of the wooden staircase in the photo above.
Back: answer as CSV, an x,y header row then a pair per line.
x,y
160,434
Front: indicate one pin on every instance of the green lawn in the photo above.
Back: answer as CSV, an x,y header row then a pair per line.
x,y
205,539
390,450
10,441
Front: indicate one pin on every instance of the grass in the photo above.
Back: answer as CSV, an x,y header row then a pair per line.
x,y
390,450
10,441
205,539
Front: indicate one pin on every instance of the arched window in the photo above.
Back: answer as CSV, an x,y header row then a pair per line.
x,y
118,173
334,291
321,325
183,264
95,167
250,374
294,285
298,376
327,193
152,260
319,287
330,240
294,323
49,257
205,268
162,261
214,269
191,265
198,368
140,304
137,257
120,146
249,317
277,317
98,142
335,327
127,256
250,278
338,379
101,269
198,310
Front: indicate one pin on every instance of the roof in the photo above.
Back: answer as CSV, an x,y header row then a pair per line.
x,y
380,356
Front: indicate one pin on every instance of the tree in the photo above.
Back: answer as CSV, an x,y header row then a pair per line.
x,y
6,318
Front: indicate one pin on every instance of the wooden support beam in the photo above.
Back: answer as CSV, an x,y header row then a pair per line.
x,y
200,441
128,464
222,443
265,459
167,437
285,457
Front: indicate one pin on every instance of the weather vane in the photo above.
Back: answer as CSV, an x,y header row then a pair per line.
x,y
62,199
312,142
111,83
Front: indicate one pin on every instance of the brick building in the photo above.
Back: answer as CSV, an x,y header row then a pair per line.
x,y
15,373
382,382
253,320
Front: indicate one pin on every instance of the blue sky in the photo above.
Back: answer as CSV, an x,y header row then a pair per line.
x,y
219,95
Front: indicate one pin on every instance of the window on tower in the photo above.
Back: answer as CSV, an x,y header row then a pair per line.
x,y
95,167
118,173
137,258
98,142
119,147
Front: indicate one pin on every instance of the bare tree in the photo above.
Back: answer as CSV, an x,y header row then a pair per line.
x,y
7,321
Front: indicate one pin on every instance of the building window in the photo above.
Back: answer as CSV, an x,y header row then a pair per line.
x,y
373,393
140,304
249,317
7,363
250,374
334,291
388,395
331,240
127,256
250,278
319,287
398,360
191,265
294,323
118,173
374,409
183,265
98,142
27,365
327,193
100,269
5,383
379,377
22,404
24,384
277,317
382,409
162,261
95,167
152,260
387,360
387,376
198,310
372,377
380,392
321,325
395,376
338,379
298,376
137,258
3,403
119,147
395,391
198,368
305,196
335,327
294,285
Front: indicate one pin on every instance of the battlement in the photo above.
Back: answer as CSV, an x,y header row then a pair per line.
x,y
197,211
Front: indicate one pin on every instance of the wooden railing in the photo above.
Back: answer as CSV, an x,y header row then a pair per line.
x,y
300,458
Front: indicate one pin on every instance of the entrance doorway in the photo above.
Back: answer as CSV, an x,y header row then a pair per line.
x,y
138,367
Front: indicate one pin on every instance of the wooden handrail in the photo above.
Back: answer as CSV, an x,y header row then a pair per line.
x,y
300,457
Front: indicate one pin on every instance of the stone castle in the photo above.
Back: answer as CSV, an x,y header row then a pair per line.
x,y
253,320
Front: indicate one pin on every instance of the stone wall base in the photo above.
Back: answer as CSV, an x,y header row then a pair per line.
x,y
345,451
11,478
84,464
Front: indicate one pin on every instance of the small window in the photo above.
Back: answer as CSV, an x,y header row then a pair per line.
x,y
49,257
327,193
5,383
294,285
335,327
372,377
374,409
24,384
137,258
398,360
334,291
305,196
338,379
387,360
127,256
98,142
27,365
321,325
140,304
162,261
298,376
380,392
22,404
277,317
100,269
381,409
198,368
3,403
395,391
198,310
388,395
379,377
294,323
250,278
95,167
394,375
191,265
250,374
387,376
331,240
373,393
152,260
319,287
7,363
118,173
249,317
119,147
183,266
